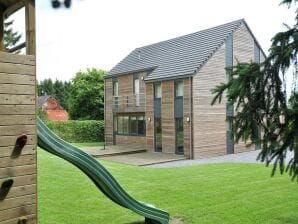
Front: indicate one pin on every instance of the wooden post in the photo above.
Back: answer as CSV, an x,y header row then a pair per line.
x,y
1,29
30,27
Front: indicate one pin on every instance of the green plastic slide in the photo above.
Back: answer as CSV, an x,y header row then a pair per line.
x,y
98,174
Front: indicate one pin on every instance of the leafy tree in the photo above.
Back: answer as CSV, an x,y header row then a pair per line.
x,y
11,38
258,92
87,95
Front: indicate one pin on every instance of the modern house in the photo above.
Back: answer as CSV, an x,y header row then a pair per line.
x,y
52,108
159,95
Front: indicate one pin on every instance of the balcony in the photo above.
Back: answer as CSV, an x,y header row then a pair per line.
x,y
129,103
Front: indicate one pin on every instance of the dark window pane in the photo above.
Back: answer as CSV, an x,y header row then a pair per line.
x,y
141,125
120,125
133,125
179,135
125,124
115,124
158,135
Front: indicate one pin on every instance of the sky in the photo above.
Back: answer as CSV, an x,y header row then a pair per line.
x,y
99,34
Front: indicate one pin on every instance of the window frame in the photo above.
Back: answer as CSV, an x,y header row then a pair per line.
x,y
177,82
129,133
115,80
155,95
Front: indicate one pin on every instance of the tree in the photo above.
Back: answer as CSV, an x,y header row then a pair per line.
x,y
45,87
87,95
258,92
11,38
59,90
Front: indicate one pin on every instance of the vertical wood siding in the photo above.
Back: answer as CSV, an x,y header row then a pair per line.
x,y
149,114
186,114
17,117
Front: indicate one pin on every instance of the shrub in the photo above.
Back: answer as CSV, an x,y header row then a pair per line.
x,y
78,131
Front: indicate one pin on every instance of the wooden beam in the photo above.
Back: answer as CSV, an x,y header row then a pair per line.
x,y
1,29
30,27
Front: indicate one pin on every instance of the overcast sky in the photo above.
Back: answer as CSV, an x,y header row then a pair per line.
x,y
99,34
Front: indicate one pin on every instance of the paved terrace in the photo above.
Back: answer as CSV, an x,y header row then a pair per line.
x,y
137,155
133,155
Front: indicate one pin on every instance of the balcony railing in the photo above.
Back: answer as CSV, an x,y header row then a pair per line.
x,y
129,103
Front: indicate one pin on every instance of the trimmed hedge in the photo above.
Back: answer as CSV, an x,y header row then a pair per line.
x,y
78,131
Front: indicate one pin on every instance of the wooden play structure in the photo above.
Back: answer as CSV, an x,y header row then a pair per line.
x,y
21,131
18,139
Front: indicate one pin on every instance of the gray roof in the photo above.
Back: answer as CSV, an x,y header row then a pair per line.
x,y
176,57
41,100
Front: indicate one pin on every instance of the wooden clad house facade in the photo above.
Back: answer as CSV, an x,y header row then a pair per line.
x,y
18,169
159,95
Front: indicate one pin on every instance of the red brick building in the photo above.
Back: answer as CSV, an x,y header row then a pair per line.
x,y
53,109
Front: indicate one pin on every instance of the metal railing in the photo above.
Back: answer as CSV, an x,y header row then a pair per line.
x,y
129,102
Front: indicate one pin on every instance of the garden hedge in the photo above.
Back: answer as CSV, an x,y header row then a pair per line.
x,y
78,131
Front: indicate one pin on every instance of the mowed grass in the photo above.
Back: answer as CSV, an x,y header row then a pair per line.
x,y
213,193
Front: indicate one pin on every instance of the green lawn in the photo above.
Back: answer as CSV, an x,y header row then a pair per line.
x,y
214,193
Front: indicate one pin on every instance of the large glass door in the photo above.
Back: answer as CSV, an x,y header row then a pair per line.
x,y
157,118
158,134
179,136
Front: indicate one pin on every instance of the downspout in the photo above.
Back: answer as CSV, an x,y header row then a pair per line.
x,y
190,118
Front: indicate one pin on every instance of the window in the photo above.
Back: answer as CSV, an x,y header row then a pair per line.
x,y
115,93
115,124
136,84
141,125
123,124
115,87
131,125
136,89
158,134
157,90
179,88
179,135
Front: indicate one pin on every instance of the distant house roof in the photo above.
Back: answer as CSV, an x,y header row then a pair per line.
x,y
41,100
176,57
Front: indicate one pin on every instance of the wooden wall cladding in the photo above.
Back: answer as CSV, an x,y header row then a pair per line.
x,y
149,115
135,141
243,52
108,111
17,117
209,122
187,114
167,117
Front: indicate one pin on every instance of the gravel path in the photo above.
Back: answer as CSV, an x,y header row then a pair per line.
x,y
245,157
